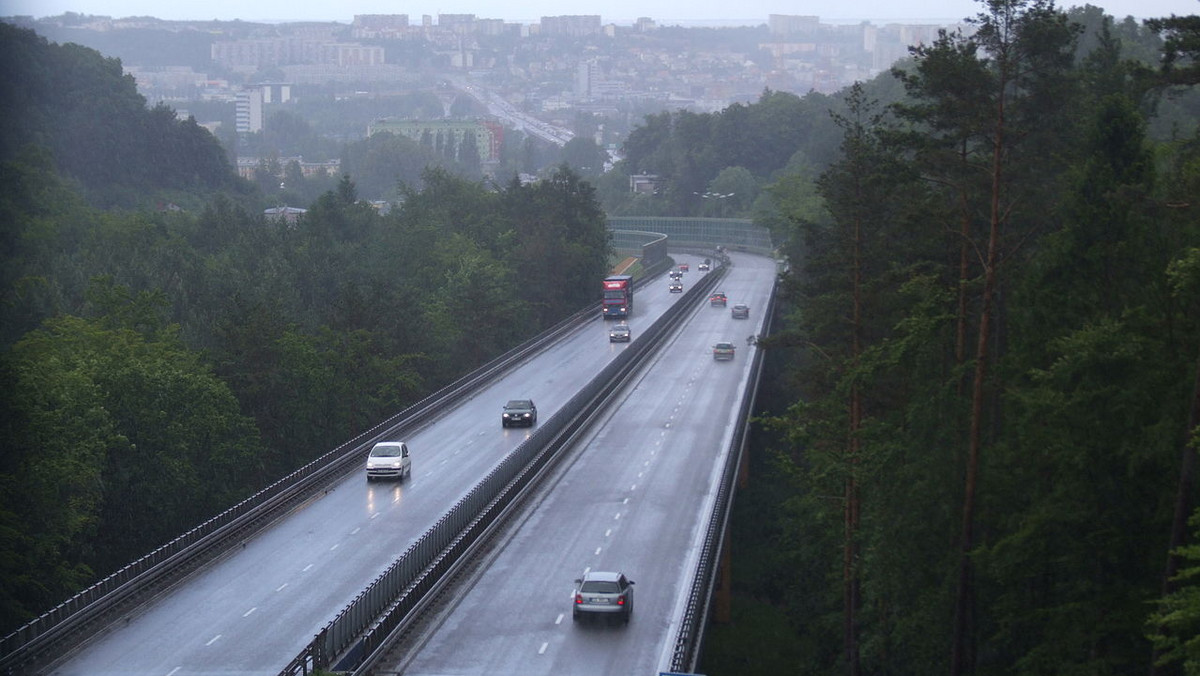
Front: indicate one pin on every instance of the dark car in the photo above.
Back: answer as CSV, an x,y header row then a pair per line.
x,y
718,299
740,311
675,274
602,593
519,412
619,334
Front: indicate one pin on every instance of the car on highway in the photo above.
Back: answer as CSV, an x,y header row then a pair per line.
x,y
619,333
519,412
676,286
718,299
603,594
705,266
740,311
389,460
723,351
683,267
675,274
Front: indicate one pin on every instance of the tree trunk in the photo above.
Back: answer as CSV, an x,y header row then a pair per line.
x,y
1183,500
961,656
850,552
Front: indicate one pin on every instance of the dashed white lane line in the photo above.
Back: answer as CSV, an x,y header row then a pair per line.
x,y
616,516
280,587
248,612
559,619
173,671
607,532
334,547
625,501
376,514
305,569
598,551
542,650
213,640
355,531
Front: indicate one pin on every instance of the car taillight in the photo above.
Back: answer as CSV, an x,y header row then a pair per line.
x,y
579,598
621,600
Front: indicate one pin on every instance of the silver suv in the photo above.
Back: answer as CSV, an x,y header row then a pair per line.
x,y
603,593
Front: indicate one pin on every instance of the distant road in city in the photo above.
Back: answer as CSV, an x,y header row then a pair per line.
x,y
496,105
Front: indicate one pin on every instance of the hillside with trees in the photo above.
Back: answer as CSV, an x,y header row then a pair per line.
x,y
982,457
81,109
158,365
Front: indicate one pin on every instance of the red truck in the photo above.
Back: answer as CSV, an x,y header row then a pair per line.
x,y
618,296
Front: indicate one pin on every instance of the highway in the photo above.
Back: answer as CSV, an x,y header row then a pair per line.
x,y
634,497
253,610
498,107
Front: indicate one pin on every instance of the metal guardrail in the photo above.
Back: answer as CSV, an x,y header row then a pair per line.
x,y
54,628
397,595
689,638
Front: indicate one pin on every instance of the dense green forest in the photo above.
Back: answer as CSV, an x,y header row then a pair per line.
x,y
158,365
982,457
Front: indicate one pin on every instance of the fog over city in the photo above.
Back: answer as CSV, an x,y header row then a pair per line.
x,y
707,12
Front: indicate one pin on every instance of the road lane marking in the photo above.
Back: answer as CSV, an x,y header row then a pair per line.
x,y
247,613
213,640
376,514
280,587
625,501
173,671
607,532
616,516
597,551
542,650
355,531
559,619
333,547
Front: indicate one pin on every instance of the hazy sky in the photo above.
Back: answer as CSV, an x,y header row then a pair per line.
x,y
611,11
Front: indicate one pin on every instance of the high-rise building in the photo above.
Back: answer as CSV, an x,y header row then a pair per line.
x,y
249,117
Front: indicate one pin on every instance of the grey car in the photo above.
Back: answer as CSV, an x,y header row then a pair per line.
x,y
619,334
519,412
603,593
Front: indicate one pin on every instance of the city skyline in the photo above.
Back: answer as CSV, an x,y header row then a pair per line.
x,y
710,12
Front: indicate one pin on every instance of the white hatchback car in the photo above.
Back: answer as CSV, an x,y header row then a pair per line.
x,y
389,460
